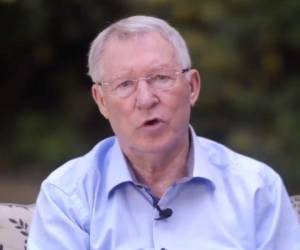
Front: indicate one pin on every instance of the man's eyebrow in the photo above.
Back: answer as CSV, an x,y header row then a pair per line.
x,y
162,66
130,74
121,74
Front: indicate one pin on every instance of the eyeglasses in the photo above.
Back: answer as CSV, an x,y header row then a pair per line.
x,y
161,80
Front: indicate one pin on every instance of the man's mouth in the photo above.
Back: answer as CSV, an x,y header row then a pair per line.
x,y
152,126
152,122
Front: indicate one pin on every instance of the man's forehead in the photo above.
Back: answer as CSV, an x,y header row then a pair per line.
x,y
124,38
128,35
143,51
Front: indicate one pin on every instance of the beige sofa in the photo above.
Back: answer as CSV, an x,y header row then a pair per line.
x,y
14,225
15,222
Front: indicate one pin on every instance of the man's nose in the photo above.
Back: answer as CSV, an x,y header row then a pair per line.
x,y
146,97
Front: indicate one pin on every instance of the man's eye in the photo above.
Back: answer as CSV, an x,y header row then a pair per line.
x,y
161,77
125,84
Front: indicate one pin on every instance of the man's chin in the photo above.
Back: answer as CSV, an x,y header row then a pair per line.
x,y
152,146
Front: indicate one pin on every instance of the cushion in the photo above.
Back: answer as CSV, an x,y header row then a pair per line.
x,y
15,220
295,199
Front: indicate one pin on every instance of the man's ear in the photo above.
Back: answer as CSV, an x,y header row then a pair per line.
x,y
194,84
99,99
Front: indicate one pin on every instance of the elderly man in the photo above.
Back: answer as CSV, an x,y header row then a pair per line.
x,y
156,185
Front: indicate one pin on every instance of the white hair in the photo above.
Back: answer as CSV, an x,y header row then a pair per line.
x,y
131,26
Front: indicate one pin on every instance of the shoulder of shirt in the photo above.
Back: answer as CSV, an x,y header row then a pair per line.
x,y
82,172
233,163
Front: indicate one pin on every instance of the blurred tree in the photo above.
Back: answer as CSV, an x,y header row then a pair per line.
x,y
247,53
45,102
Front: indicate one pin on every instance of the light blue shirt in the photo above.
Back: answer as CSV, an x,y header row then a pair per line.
x,y
229,202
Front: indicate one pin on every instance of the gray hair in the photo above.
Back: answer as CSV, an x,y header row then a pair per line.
x,y
128,27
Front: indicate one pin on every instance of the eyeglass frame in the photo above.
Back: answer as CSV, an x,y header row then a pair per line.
x,y
137,80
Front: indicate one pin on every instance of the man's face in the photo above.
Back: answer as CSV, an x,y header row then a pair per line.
x,y
148,121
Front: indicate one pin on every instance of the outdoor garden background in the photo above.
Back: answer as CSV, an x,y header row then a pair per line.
x,y
247,52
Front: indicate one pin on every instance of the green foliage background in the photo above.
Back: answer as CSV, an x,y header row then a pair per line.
x,y
246,51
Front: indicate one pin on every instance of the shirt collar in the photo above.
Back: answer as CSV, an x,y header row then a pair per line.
x,y
202,166
117,171
200,163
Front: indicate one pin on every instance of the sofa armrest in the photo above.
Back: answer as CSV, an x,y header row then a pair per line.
x,y
295,199
15,222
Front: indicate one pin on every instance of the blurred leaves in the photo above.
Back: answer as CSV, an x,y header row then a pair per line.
x,y
246,51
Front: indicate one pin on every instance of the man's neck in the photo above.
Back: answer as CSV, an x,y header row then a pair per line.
x,y
159,171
